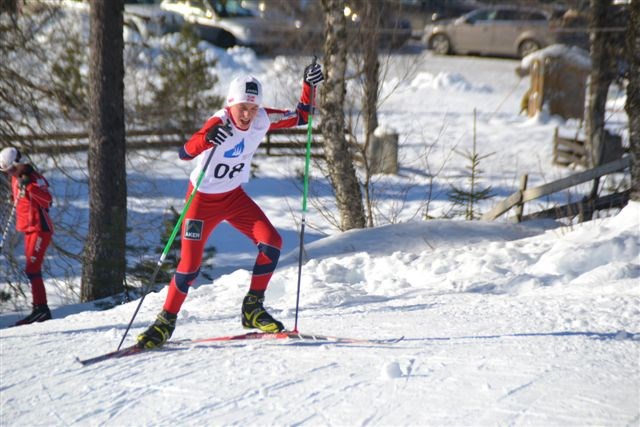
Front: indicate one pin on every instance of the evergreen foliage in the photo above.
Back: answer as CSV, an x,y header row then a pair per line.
x,y
184,95
466,199
69,85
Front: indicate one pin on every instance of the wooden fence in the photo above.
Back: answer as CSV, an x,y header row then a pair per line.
x,y
525,195
280,142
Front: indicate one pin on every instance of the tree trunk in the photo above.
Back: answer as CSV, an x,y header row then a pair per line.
x,y
600,79
371,71
339,157
104,264
633,95
370,66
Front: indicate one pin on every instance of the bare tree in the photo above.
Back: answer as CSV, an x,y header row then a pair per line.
x,y
104,261
339,156
368,40
606,28
600,79
633,95
21,92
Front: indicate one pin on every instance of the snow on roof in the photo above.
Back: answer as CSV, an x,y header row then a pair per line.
x,y
574,54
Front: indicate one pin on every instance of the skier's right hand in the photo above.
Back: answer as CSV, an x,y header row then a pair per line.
x,y
24,180
218,134
23,172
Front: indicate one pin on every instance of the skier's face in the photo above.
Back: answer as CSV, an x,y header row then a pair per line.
x,y
243,114
12,171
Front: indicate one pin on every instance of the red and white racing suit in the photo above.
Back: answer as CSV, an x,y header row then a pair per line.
x,y
220,196
32,219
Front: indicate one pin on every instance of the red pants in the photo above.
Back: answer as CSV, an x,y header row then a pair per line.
x,y
35,246
204,214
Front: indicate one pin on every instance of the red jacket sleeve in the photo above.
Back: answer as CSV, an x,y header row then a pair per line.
x,y
285,118
39,194
32,204
196,144
37,190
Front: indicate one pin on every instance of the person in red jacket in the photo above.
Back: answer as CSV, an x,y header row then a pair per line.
x,y
32,200
230,138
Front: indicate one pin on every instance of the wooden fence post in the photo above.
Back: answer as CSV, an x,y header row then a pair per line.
x,y
520,206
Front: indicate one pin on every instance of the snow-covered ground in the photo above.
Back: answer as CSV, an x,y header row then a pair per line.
x,y
503,324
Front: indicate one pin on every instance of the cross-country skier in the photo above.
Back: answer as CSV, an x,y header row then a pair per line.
x,y
30,191
234,133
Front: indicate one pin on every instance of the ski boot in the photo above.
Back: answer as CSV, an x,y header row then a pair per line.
x,y
40,313
254,316
158,333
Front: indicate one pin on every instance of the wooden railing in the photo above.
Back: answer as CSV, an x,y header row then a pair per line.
x,y
525,195
279,142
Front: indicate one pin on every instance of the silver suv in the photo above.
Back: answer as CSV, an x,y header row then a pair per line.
x,y
501,30
227,23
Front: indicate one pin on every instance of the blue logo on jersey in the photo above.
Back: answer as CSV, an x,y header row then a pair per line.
x,y
235,151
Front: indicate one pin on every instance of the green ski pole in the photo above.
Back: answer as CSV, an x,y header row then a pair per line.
x,y
304,198
169,243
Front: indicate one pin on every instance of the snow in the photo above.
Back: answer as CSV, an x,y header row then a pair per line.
x,y
572,54
535,323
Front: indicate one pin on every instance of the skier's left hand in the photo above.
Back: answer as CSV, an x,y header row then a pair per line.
x,y
313,74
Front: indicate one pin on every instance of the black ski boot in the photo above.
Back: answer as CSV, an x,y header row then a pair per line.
x,y
158,333
254,316
40,313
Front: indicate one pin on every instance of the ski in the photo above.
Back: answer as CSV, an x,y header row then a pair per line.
x,y
284,335
127,351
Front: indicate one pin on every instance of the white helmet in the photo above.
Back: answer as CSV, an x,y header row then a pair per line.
x,y
244,89
9,157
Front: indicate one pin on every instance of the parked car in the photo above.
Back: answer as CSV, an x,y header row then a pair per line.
x,y
501,30
421,13
227,23
146,18
393,30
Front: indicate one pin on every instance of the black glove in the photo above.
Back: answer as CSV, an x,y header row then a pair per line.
x,y
313,74
24,180
23,172
218,134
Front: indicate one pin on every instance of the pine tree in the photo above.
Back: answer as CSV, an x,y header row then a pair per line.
x,y
184,96
469,198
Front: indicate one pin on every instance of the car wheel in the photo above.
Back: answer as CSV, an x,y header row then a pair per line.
x,y
440,44
527,46
225,40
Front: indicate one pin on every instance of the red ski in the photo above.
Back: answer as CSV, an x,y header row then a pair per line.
x,y
291,335
285,335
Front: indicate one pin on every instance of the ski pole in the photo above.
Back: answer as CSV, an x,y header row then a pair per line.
x,y
304,197
6,228
169,243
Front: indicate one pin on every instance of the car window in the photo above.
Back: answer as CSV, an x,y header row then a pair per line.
x,y
519,15
509,15
536,16
229,8
481,15
197,4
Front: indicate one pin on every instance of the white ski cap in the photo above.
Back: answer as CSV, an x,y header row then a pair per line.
x,y
244,89
9,157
